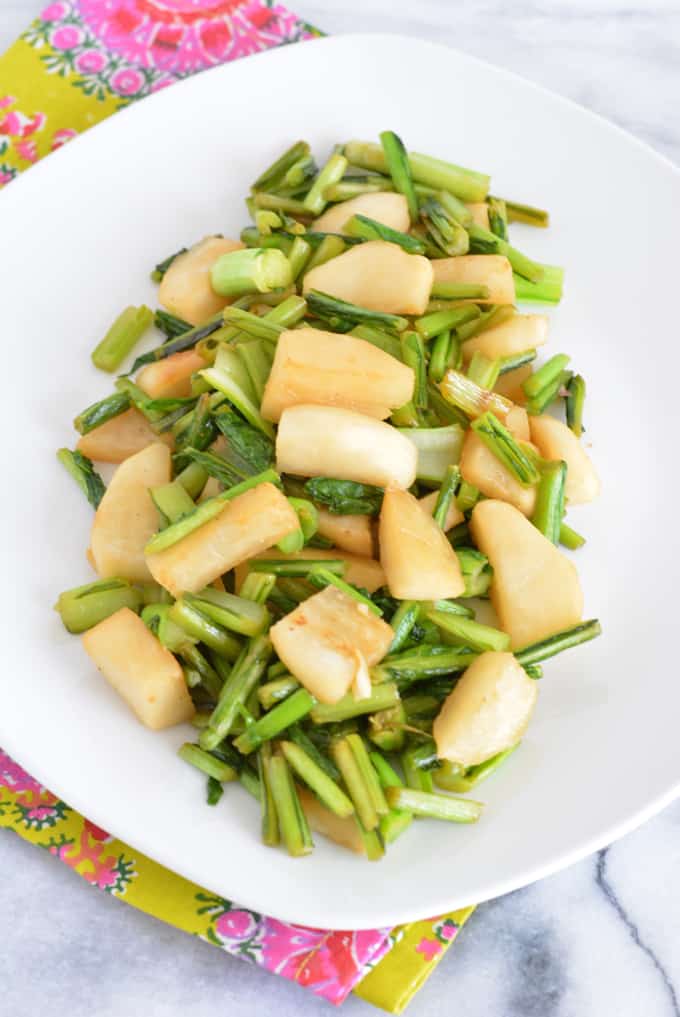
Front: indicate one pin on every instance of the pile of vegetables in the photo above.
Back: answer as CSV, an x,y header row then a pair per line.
x,y
341,450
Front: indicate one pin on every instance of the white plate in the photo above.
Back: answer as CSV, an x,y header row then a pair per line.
x,y
79,235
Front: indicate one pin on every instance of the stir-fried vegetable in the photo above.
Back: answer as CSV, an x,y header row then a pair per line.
x,y
345,436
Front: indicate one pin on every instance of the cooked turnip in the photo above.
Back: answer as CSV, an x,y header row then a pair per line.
x,y
479,466
535,590
491,270
378,276
325,441
418,560
453,517
186,290
554,440
487,712
127,517
315,367
385,207
140,669
322,642
517,423
360,571
351,533
342,830
121,437
480,213
248,524
170,378
509,385
516,335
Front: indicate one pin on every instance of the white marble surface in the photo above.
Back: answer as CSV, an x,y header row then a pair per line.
x,y
602,938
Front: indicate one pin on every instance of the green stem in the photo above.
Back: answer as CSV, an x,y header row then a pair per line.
x,y
172,501
498,217
369,229
399,169
403,621
483,371
526,213
548,291
270,821
506,449
549,507
292,822
440,321
459,291
334,170
447,493
445,232
297,735
383,340
552,645
545,375
452,777
203,628
274,174
322,577
413,355
292,709
470,633
250,270
299,255
253,325
440,352
98,413
226,609
549,393
122,336
576,390
162,267
207,763
84,474
246,673
325,788
570,538
516,360
85,606
468,185
355,783
434,806
486,242
381,698
258,586
426,662
298,568
277,690
340,311
330,247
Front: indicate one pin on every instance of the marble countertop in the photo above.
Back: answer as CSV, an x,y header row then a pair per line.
x,y
601,938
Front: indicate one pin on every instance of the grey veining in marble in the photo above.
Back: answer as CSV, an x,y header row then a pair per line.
x,y
601,939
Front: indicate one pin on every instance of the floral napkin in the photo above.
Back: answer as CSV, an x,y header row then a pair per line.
x,y
80,61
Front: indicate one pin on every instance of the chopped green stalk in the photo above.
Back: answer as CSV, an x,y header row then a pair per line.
x,y
214,465
334,170
258,586
162,267
270,822
206,511
223,377
382,697
545,375
399,169
154,593
467,497
248,450
549,393
548,291
470,633
169,324
534,671
330,247
288,712
517,212
122,336
84,474
517,360
213,791
498,217
251,237
468,185
386,728
299,255
207,763
244,677
495,315
416,775
576,390
374,846
210,679
173,637
98,413
185,341
413,355
483,371
235,613
322,577
444,230
336,311
434,806
353,186
460,534
368,774
485,242
257,359
292,822
297,734
425,662
292,542
297,176
406,416
506,449
570,538
421,706
452,777
202,627
345,497
447,493
359,791
440,321
440,352
383,340
172,501
278,203
452,606
308,516
193,479
438,448
574,636
549,507
274,174
325,788
369,229
277,690
85,606
276,670
402,621
299,568
250,270
459,291
251,783
297,589
252,324
267,221
476,572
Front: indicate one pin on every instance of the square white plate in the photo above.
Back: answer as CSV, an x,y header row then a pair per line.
x,y
80,233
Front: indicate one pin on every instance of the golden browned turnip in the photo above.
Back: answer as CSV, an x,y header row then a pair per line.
x,y
487,712
554,440
127,517
360,571
140,669
517,423
385,207
325,368
418,560
326,441
248,524
518,334
479,466
492,270
327,639
509,384
170,378
376,275
121,437
535,589
186,290
351,533
342,830
453,517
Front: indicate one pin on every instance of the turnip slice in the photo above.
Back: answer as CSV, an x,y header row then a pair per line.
x,y
554,440
385,207
360,571
518,334
491,270
170,378
121,437
480,467
351,533
186,290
